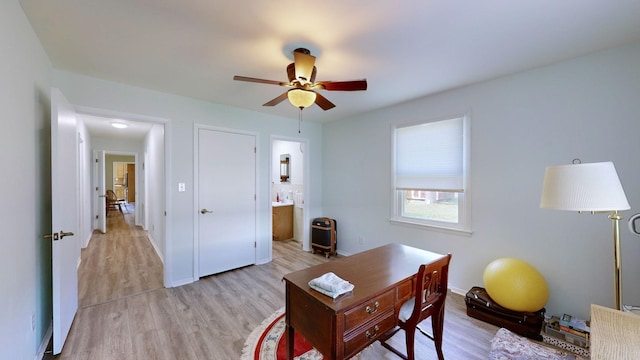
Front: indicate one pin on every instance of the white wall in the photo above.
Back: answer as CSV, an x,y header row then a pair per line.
x,y
25,259
585,108
296,161
154,174
183,113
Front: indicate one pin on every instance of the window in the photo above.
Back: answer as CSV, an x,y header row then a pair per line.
x,y
430,174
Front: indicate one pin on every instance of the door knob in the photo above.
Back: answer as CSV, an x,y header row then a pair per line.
x,y
63,234
53,236
205,211
57,236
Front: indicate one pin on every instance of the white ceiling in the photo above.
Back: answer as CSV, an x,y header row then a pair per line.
x,y
405,49
101,127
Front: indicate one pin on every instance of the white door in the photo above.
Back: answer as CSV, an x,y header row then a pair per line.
x,y
100,197
226,200
64,222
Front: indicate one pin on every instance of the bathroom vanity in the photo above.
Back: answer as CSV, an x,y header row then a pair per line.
x,y
282,218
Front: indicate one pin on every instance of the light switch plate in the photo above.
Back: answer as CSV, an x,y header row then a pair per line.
x,y
181,187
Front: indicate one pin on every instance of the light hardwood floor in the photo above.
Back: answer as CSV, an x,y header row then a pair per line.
x,y
211,318
120,263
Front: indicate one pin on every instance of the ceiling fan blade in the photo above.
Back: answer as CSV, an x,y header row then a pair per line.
x,y
261,81
354,85
304,64
277,100
324,103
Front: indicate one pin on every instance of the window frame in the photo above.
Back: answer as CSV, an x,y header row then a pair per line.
x,y
464,198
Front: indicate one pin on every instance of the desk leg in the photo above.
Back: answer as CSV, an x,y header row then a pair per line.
x,y
290,331
290,341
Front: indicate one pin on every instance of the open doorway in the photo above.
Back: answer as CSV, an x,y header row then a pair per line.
x,y
128,257
120,177
289,184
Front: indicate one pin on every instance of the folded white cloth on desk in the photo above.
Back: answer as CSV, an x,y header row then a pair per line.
x,y
331,285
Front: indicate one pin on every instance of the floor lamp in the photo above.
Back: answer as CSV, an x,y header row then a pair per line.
x,y
593,187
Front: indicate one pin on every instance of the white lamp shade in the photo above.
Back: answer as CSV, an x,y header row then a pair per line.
x,y
583,187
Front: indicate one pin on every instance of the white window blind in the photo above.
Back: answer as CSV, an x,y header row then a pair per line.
x,y
430,156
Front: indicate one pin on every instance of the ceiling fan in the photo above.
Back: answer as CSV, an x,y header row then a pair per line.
x,y
302,76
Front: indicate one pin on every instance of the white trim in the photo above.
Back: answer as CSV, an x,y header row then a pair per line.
x,y
155,247
418,225
168,221
97,207
45,342
183,282
195,271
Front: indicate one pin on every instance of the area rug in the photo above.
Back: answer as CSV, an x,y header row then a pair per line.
x,y
267,342
509,346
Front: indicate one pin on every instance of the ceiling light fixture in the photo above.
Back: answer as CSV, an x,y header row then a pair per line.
x,y
119,125
301,98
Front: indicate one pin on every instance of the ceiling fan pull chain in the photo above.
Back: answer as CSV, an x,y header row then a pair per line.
x,y
299,119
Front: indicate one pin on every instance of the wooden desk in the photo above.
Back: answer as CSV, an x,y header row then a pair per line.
x,y
340,328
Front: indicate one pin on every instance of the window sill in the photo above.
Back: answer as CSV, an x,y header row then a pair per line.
x,y
423,226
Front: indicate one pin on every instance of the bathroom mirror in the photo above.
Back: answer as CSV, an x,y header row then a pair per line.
x,y
284,167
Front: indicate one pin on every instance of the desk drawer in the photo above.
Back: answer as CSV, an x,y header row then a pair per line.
x,y
369,310
361,338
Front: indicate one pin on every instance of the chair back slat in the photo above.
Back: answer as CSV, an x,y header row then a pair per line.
x,y
431,287
430,295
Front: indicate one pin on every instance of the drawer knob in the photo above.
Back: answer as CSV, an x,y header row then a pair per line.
x,y
372,310
370,335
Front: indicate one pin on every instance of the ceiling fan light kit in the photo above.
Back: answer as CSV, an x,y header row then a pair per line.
x,y
301,75
301,98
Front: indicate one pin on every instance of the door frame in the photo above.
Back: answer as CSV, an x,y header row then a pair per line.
x,y
167,124
196,191
306,221
100,199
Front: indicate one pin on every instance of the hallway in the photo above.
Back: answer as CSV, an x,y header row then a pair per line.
x,y
118,264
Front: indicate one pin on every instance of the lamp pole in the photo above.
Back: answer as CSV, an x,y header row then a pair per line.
x,y
615,218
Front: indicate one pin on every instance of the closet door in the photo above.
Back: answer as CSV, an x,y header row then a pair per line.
x,y
226,200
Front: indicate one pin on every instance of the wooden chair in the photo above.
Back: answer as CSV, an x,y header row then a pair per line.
x,y
113,203
431,292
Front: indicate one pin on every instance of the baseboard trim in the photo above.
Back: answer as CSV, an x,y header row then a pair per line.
x,y
182,282
155,248
45,342
458,291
